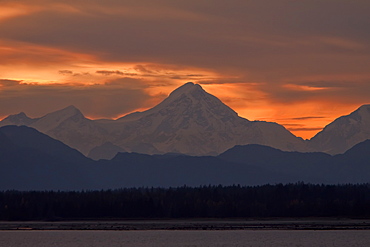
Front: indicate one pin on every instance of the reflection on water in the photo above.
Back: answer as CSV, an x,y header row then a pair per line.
x,y
182,238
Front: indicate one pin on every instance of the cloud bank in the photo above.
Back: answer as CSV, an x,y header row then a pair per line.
x,y
265,58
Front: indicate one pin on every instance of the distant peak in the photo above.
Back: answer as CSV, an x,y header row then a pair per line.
x,y
18,119
21,114
187,88
68,111
71,107
189,83
367,106
364,109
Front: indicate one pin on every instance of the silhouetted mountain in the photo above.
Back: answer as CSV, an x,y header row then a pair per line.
x,y
355,163
26,137
105,151
309,167
360,151
137,170
30,160
5,143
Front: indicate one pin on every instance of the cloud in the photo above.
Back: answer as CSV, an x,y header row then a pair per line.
x,y
9,83
304,129
108,100
66,72
266,57
264,41
268,35
109,72
306,118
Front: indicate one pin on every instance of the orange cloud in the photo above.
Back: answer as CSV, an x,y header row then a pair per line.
x,y
268,60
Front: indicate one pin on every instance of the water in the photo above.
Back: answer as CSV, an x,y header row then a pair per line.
x,y
181,238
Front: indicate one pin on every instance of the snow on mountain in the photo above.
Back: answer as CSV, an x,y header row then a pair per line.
x,y
344,132
67,125
190,121
71,127
52,120
17,119
105,151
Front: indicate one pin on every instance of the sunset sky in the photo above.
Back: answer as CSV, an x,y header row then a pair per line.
x,y
301,63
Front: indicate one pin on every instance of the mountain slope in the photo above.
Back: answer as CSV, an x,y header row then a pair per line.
x,y
26,137
344,132
30,160
192,121
17,119
189,121
309,167
67,125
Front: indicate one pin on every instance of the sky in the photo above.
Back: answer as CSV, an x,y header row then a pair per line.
x,y
300,63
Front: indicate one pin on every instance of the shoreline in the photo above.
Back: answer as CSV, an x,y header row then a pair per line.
x,y
189,224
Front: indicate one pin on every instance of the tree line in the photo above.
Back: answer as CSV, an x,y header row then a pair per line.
x,y
280,200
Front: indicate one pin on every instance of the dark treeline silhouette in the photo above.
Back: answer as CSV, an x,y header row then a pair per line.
x,y
290,200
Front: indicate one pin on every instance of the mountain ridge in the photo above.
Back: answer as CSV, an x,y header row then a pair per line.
x,y
344,132
51,165
189,121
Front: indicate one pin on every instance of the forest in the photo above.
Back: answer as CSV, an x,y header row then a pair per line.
x,y
279,200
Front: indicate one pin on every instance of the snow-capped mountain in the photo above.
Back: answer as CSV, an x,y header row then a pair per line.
x,y
189,121
192,121
67,125
17,119
344,132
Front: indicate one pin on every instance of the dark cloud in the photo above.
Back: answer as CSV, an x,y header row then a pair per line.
x,y
109,72
294,125
108,100
65,72
326,84
9,83
143,69
305,118
305,129
355,92
266,39
281,46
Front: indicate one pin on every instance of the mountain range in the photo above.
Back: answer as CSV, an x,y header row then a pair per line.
x,y
31,160
189,121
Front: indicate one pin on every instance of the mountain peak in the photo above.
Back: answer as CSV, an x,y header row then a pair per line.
x,y
190,99
17,119
52,120
344,132
364,109
187,88
186,100
20,115
66,112
360,116
71,109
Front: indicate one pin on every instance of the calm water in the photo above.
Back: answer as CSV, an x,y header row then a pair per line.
x,y
184,238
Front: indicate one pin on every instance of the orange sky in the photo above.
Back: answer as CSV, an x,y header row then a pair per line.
x,y
298,63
